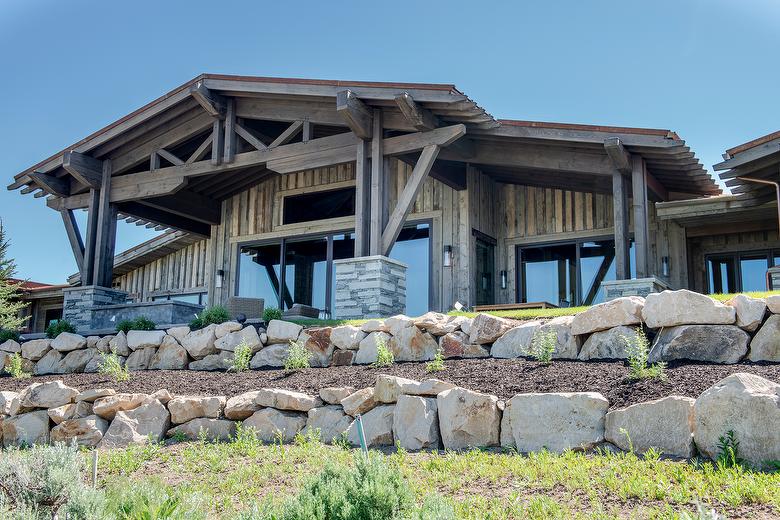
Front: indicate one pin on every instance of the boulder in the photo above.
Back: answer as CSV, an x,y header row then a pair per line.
x,y
178,332
456,345
84,431
684,307
765,345
330,421
436,323
47,395
712,343
94,364
186,408
93,394
465,324
223,329
626,310
486,328
107,407
138,339
506,438
398,322
367,352
567,345
286,400
370,326
359,402
92,341
664,424
146,423
750,311
342,358
377,427
557,421
608,344
515,342
220,361
103,344
9,402
35,349
282,332
203,428
162,395
170,356
271,356
773,303
26,429
271,424
388,388
118,344
468,419
140,359
242,406
412,344
416,423
51,363
426,387
746,404
346,337
70,411
67,341
200,343
10,346
76,361
330,395
317,342
247,335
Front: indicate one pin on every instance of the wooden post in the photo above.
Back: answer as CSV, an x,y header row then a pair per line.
x,y
619,197
74,237
230,131
106,232
217,142
362,199
377,183
639,206
91,235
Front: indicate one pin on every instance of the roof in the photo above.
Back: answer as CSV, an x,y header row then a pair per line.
x,y
596,128
753,143
746,164
30,286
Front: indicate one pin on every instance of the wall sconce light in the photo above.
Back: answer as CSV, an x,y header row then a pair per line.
x,y
447,256
220,276
503,279
665,266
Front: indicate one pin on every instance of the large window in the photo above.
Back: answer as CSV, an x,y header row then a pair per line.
x,y
319,205
413,248
739,272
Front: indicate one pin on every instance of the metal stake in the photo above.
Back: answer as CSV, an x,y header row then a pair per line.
x,y
361,434
94,468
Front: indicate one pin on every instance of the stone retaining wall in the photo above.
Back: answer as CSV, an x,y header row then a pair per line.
x,y
430,414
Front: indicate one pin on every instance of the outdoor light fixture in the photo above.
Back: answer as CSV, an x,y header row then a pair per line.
x,y
220,276
665,266
503,279
447,256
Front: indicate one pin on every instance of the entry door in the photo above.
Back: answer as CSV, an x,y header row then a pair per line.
x,y
485,272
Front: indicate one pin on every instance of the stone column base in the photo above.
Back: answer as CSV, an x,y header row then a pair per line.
x,y
774,278
80,303
636,287
369,287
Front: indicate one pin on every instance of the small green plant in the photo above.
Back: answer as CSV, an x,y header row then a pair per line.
x,y
297,356
242,355
111,365
543,345
140,323
58,327
15,367
179,436
213,315
6,334
272,313
702,513
728,451
384,356
437,364
638,352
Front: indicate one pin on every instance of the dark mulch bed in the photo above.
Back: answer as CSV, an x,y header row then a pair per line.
x,y
500,377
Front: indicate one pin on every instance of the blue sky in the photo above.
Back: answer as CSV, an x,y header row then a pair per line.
x,y
704,68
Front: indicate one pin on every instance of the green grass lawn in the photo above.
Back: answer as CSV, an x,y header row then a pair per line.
x,y
224,479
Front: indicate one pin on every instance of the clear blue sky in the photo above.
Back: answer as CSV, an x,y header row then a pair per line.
x,y
706,69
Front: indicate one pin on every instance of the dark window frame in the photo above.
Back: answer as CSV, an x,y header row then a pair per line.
x,y
770,254
291,198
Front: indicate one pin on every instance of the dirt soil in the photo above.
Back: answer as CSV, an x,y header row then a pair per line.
x,y
501,377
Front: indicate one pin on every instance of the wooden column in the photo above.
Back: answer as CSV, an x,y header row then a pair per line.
x,y
639,207
74,237
91,236
362,199
620,208
377,183
106,232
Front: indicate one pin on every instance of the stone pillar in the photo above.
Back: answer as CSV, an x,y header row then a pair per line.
x,y
80,302
635,287
774,278
369,287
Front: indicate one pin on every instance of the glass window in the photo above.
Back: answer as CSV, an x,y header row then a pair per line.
x,y
752,272
413,249
548,274
259,273
305,272
723,275
343,247
319,205
484,271
597,264
187,298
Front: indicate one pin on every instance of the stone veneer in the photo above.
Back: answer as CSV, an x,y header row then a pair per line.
x,y
369,287
774,277
636,287
80,302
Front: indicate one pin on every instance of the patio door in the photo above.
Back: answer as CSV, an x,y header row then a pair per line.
x,y
485,270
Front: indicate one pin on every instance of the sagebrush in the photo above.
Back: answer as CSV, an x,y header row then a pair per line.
x,y
58,327
272,313
210,316
437,363
384,356
543,345
15,367
140,323
297,357
111,366
637,355
242,355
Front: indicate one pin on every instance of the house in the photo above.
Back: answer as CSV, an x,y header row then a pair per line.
x,y
44,304
365,198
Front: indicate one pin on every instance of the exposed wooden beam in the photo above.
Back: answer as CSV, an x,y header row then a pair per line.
x,y
164,218
202,150
362,199
74,237
378,198
106,232
59,186
230,131
306,131
212,103
168,156
620,215
87,170
639,207
250,138
447,174
656,187
357,115
91,236
217,143
286,136
419,117
618,154
188,204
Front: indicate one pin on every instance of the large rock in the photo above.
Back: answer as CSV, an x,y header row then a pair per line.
x,y
76,361
388,388
200,343
773,303
359,402
765,345
35,349
394,324
342,358
11,346
178,332
711,343
204,428
377,427
456,345
9,402
107,407
608,344
437,323
486,328
147,423
170,356
416,422
750,311
242,406
47,395
557,421
626,310
70,411
665,425
138,339
330,421
140,359
271,424
412,344
567,345
468,419
118,344
67,341
223,329
426,387
104,344
747,404
286,400
247,335
367,352
84,431
346,337
282,332
506,438
271,356
317,342
51,363
684,307
186,408
26,429
516,341
92,394
370,326
220,361
330,394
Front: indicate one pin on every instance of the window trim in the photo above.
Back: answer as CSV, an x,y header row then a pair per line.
x,y
770,255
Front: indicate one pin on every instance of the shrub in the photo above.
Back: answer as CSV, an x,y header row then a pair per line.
x,y
111,366
140,323
543,346
384,356
213,315
16,368
272,313
437,364
728,451
58,327
638,352
242,355
297,357
6,334
153,500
